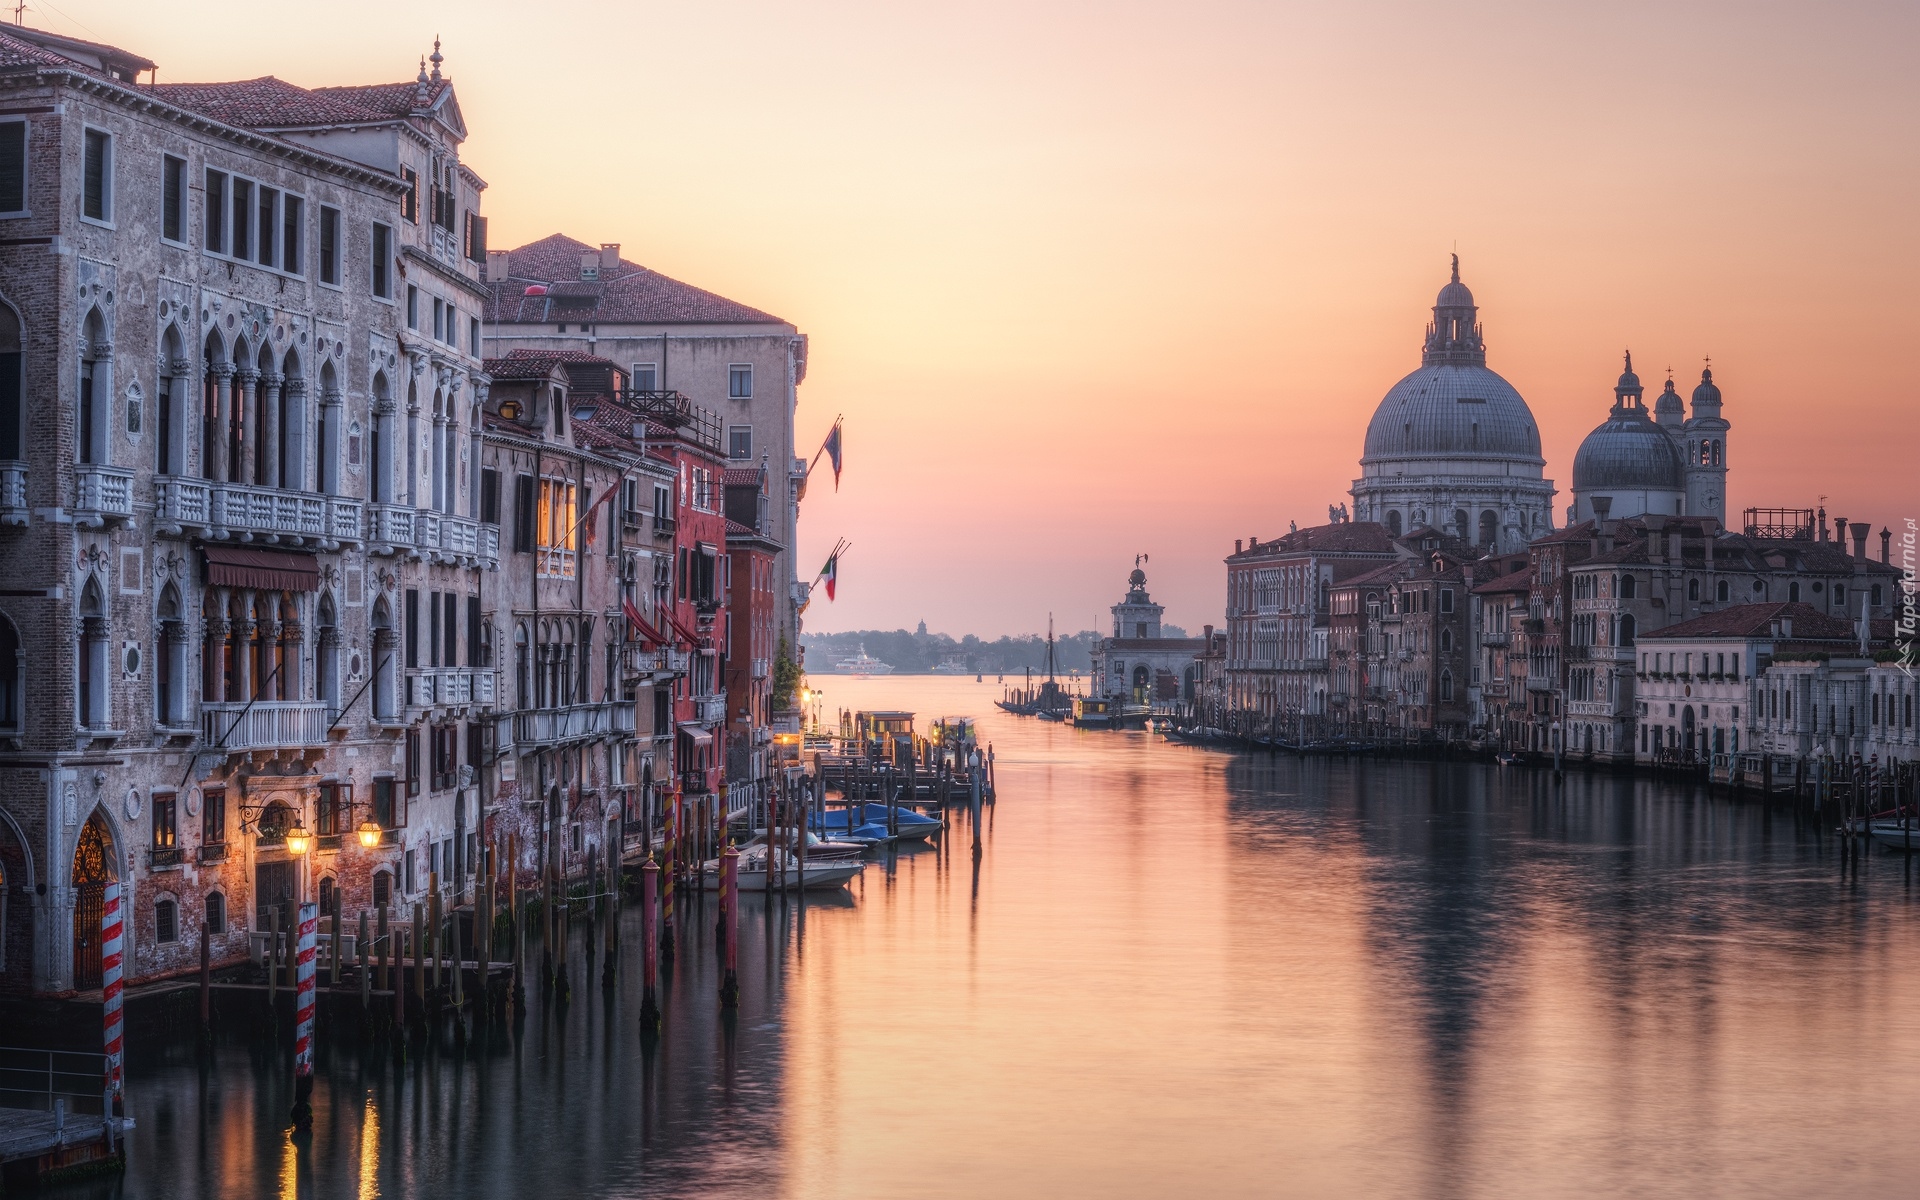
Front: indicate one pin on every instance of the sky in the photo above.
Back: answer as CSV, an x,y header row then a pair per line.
x,y
1095,280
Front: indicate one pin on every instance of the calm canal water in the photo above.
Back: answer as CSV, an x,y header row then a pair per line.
x,y
1179,972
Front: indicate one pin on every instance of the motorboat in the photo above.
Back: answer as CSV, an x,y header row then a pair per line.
x,y
752,871
1508,758
1896,833
1092,712
860,831
817,847
910,824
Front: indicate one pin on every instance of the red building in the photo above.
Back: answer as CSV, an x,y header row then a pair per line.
x,y
752,601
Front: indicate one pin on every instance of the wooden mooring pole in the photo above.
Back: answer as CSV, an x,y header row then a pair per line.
x,y
649,948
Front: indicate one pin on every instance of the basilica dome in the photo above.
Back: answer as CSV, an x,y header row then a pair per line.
x,y
1449,410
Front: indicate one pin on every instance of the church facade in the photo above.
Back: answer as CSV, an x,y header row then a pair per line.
x,y
1666,463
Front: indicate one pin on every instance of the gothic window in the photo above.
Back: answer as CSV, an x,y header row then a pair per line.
x,y
327,656
12,677
95,387
384,689
166,921
1722,590
92,665
170,660
380,458
327,432
10,378
216,908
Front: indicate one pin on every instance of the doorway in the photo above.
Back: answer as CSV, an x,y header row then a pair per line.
x,y
92,872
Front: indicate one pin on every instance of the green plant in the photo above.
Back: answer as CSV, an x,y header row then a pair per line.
x,y
786,675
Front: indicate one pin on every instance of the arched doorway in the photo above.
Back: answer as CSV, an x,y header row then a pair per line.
x,y
1686,729
92,872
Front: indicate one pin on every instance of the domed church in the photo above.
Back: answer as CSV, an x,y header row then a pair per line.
x,y
1453,445
1667,463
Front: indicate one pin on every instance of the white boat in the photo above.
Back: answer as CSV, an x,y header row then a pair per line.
x,y
862,664
951,666
817,848
1893,834
833,873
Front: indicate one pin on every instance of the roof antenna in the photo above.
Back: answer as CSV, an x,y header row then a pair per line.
x,y
20,13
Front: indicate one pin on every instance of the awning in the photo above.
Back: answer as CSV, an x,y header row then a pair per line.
x,y
264,570
697,735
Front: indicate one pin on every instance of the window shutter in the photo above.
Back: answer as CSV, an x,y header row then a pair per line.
x,y
523,514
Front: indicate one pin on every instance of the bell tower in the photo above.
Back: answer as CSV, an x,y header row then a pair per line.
x,y
1704,442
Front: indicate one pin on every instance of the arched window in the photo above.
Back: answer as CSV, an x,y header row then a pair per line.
x,y
215,381
1446,683
382,888
12,677
1722,590
380,458
1393,521
522,692
216,912
1461,527
1446,641
327,895
1693,589
1489,527
93,691
384,689
12,432
96,386
169,423
292,448
1626,628
170,660
166,921
327,432
1716,457
1793,592
327,654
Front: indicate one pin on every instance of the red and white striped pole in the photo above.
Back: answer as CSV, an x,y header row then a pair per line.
x,y
303,976
110,927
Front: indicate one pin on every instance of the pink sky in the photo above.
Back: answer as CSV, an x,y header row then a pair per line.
x,y
1089,279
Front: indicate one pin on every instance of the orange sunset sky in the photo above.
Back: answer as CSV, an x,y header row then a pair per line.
x,y
1089,280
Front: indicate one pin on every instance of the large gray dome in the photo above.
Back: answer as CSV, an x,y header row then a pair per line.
x,y
1452,410
1629,452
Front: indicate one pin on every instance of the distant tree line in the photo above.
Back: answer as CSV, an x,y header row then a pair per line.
x,y
910,652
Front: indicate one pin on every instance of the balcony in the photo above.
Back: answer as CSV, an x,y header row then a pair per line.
x,y
106,494
269,514
664,526
213,852
1500,638
537,727
389,528
449,687
446,538
13,493
264,725
710,710
162,858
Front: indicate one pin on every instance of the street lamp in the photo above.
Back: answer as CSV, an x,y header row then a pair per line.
x,y
298,839
369,834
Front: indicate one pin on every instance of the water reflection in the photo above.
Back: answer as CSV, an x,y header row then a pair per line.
x,y
1157,970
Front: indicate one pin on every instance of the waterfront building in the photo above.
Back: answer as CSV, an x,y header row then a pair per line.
x,y
1136,665
1499,632
753,588
236,506
1453,445
1665,462
1696,676
561,455
743,365
1279,612
1651,572
1402,650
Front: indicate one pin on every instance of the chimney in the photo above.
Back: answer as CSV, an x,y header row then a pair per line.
x,y
1860,531
1823,522
1236,545
589,266
1208,634
1886,550
1602,505
1786,628
609,255
497,265
1840,532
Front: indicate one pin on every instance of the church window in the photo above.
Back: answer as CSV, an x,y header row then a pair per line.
x,y
1626,587
1839,595
1722,591
1716,455
1693,589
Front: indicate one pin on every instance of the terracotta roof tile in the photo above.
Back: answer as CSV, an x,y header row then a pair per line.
x,y
1756,620
264,102
627,293
387,99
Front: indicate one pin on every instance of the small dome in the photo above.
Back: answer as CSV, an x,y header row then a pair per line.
x,y
1707,393
1668,407
1454,295
1628,452
1138,579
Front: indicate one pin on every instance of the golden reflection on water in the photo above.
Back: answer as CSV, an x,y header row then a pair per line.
x,y
369,1150
289,1167
1190,973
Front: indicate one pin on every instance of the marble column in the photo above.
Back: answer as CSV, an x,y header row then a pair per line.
x,y
245,460
270,433
221,443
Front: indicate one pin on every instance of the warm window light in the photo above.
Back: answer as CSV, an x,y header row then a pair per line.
x,y
297,839
369,834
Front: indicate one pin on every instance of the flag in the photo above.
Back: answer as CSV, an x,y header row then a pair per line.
x,y
586,518
831,572
833,452
636,626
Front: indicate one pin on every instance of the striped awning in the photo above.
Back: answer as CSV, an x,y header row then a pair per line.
x,y
262,570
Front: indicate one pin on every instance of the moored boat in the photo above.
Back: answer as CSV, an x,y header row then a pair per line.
x,y
752,868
